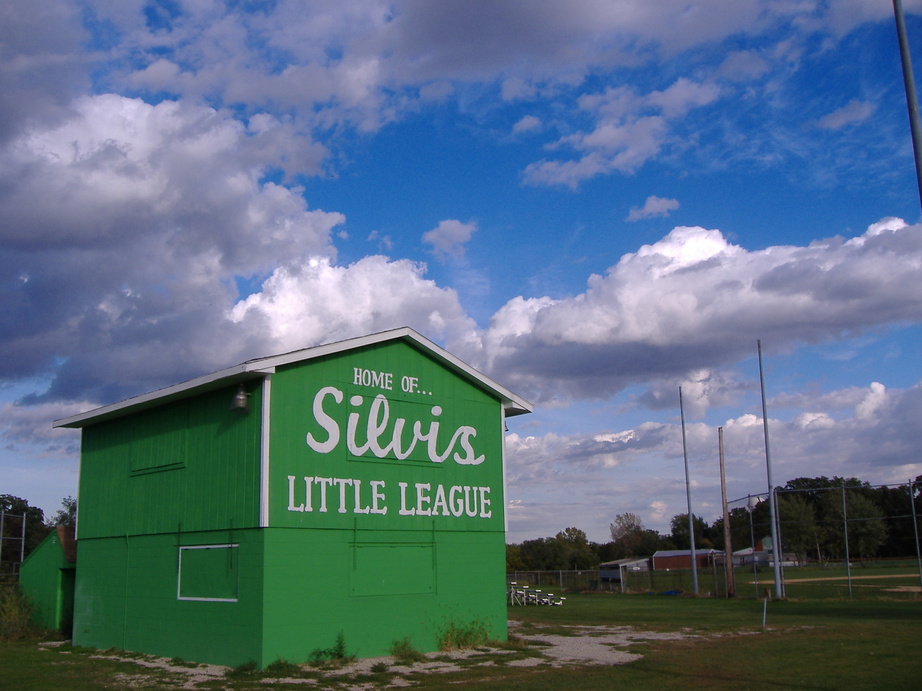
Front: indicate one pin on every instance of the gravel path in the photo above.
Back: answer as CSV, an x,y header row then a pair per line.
x,y
561,646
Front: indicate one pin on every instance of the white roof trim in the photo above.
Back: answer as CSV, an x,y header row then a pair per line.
x,y
254,369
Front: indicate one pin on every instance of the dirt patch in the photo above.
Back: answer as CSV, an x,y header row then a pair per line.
x,y
560,646
597,645
189,675
820,579
904,589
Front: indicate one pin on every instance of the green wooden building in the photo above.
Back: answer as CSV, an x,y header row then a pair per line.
x,y
47,578
256,513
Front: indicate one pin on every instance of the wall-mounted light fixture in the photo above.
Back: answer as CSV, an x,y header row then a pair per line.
x,y
241,400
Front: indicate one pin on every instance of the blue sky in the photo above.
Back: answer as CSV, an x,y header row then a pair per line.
x,y
593,202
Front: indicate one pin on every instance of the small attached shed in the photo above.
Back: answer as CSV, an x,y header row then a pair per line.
x,y
47,578
256,513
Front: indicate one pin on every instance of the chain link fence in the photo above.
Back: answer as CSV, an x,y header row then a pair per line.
x,y
557,581
846,540
12,544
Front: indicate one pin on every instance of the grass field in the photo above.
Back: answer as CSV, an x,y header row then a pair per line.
x,y
806,645
836,644
898,578
875,581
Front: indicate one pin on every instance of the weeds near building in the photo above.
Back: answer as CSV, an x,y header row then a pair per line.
x,y
15,614
336,655
405,653
461,635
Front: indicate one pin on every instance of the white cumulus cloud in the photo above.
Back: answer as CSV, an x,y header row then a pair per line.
x,y
449,238
693,300
317,301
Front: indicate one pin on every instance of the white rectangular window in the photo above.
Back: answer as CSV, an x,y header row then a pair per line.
x,y
208,573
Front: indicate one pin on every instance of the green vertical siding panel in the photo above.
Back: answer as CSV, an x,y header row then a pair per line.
x,y
146,491
126,598
159,439
309,586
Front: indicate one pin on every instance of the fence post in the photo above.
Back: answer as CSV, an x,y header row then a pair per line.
x,y
848,561
780,544
716,585
752,538
915,529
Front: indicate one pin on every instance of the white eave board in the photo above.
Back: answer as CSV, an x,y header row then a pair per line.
x,y
253,369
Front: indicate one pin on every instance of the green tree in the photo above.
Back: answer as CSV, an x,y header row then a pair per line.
x,y
819,493
811,488
815,489
797,520
627,534
740,535
605,551
67,514
36,530
679,534
573,535
577,552
514,560
544,554
897,511
867,531
650,542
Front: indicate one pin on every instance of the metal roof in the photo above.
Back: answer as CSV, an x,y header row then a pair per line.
x,y
623,562
682,552
255,369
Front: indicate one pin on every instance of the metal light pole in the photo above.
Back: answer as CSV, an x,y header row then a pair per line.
x,y
772,509
691,516
912,102
728,548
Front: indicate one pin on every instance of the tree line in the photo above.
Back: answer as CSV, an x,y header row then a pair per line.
x,y
811,519
37,527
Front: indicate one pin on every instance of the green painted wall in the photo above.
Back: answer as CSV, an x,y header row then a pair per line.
x,y
128,589
378,539
193,463
46,578
185,473
320,584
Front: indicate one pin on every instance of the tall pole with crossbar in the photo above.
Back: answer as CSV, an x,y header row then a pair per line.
x,y
691,516
912,102
772,504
